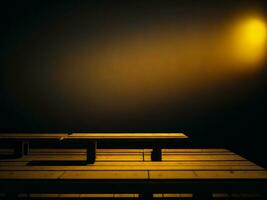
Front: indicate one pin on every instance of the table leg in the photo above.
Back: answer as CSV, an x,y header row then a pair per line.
x,y
91,152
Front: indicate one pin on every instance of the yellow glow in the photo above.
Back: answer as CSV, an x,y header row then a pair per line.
x,y
250,40
141,70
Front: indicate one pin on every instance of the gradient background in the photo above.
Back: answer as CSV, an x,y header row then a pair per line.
x,y
131,66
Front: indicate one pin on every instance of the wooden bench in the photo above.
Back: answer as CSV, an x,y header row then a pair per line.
x,y
90,140
156,140
21,140
200,172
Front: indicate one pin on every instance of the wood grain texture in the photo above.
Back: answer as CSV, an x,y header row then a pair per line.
x,y
133,164
105,174
231,174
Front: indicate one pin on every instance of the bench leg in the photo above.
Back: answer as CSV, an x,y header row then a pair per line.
x,y
19,149
91,152
26,147
156,154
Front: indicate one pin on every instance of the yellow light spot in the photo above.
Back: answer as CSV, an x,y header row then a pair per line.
x,y
250,41
254,32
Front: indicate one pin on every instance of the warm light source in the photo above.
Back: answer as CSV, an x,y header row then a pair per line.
x,y
250,40
254,32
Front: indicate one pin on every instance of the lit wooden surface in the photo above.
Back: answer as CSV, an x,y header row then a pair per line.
x,y
109,136
132,164
93,135
118,165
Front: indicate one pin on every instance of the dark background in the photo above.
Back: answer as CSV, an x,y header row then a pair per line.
x,y
239,123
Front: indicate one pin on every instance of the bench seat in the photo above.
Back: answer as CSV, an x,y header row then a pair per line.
x,y
22,140
157,140
89,141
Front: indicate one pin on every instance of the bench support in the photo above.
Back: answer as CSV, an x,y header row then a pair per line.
x,y
21,148
26,148
156,154
91,152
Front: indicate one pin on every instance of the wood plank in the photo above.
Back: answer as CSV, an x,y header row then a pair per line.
x,y
120,151
127,136
119,157
13,163
246,196
69,195
126,195
83,154
32,135
195,154
34,155
182,150
69,150
220,195
157,195
130,153
178,195
44,195
82,151
30,174
96,195
130,167
52,150
208,174
48,157
164,163
131,156
112,174
234,174
147,157
105,157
